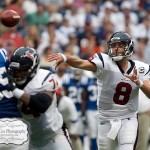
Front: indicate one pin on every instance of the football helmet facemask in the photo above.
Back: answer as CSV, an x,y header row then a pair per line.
x,y
24,63
124,38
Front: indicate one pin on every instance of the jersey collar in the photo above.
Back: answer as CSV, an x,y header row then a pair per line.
x,y
129,69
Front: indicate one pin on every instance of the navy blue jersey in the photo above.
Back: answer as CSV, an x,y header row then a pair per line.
x,y
8,106
90,85
74,90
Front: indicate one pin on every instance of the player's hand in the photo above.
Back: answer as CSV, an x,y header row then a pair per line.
x,y
58,57
134,77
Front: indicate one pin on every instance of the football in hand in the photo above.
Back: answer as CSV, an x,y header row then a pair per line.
x,y
9,18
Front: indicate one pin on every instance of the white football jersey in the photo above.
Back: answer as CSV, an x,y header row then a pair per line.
x,y
43,125
69,112
117,95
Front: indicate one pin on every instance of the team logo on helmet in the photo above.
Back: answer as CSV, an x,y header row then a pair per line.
x,y
28,54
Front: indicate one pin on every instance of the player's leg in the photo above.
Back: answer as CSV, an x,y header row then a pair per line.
x,y
60,141
114,144
75,140
103,141
92,126
128,134
80,128
77,144
144,122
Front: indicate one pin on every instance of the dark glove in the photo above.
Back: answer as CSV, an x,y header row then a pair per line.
x,y
11,82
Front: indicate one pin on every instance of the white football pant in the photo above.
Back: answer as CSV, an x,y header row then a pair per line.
x,y
126,136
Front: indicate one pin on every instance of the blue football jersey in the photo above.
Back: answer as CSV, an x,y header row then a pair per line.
x,y
74,90
8,106
90,85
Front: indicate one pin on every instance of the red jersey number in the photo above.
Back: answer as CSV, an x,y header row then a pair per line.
x,y
55,84
122,95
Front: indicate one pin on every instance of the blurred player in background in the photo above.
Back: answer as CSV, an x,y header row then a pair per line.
x,y
73,89
68,110
144,121
67,107
89,105
35,89
119,80
61,74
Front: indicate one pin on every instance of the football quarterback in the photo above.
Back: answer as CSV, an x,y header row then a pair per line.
x,y
119,80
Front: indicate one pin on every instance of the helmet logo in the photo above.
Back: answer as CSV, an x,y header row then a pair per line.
x,y
28,54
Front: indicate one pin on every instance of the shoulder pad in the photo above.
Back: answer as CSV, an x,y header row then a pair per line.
x,y
50,84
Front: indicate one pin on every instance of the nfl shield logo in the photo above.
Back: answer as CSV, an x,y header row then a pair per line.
x,y
141,70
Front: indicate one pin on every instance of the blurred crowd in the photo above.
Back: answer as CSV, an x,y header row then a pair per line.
x,y
76,27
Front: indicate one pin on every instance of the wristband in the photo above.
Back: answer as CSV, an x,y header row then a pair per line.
x,y
140,83
63,56
18,93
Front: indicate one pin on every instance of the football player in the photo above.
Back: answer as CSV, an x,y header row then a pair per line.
x,y
35,89
69,112
119,80
73,89
90,92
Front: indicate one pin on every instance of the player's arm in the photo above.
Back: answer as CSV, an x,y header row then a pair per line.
x,y
39,102
72,61
146,88
143,85
84,101
84,106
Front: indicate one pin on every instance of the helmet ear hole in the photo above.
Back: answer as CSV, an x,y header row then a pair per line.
x,y
24,59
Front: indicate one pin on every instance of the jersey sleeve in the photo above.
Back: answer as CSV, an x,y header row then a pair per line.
x,y
143,71
147,73
98,60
